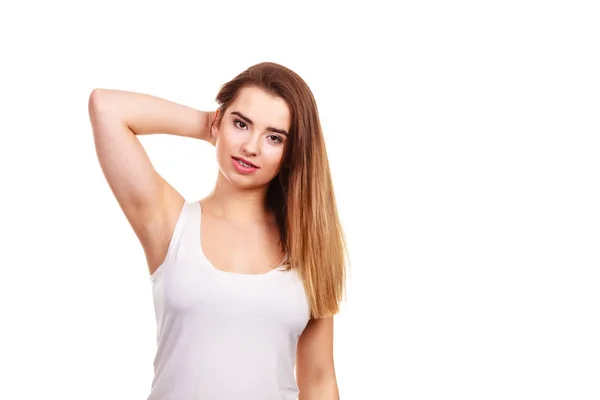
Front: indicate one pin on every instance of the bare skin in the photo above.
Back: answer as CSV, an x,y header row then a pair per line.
x,y
232,215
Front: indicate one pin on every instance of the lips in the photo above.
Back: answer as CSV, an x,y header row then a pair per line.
x,y
244,161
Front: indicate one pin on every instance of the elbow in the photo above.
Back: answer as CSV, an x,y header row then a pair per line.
x,y
101,101
324,387
317,378
101,109
97,101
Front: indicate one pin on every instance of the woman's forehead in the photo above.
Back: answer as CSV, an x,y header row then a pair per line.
x,y
262,108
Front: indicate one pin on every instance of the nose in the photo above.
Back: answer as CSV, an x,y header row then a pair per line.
x,y
251,146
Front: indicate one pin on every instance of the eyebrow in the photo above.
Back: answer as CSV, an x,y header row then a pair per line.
x,y
249,122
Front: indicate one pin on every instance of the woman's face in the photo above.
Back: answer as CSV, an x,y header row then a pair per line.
x,y
251,138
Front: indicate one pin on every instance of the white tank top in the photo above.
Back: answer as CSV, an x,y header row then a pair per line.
x,y
223,335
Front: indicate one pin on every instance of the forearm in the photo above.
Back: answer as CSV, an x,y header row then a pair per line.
x,y
145,114
320,390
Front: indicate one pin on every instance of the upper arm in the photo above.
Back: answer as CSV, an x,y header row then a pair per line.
x,y
149,203
314,358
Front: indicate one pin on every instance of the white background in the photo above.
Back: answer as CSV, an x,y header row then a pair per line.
x,y
464,145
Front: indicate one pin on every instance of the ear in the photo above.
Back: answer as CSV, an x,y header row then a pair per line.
x,y
214,127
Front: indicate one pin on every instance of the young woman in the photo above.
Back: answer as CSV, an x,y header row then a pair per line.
x,y
245,281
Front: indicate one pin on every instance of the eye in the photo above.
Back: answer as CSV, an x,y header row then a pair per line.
x,y
242,123
275,138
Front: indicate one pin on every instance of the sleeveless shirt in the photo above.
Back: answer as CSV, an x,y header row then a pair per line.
x,y
223,335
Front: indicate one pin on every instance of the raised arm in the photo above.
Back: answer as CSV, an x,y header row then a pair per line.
x,y
150,204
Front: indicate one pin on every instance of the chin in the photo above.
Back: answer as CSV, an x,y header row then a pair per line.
x,y
243,182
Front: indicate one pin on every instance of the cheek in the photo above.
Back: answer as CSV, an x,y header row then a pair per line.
x,y
272,157
224,148
228,142
228,136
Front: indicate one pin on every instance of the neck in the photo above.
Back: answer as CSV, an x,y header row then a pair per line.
x,y
240,205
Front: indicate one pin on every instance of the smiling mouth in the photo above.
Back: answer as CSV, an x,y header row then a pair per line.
x,y
244,163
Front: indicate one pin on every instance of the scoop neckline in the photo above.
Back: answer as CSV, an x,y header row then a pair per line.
x,y
216,270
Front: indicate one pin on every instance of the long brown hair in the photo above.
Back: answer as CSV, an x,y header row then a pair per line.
x,y
301,197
